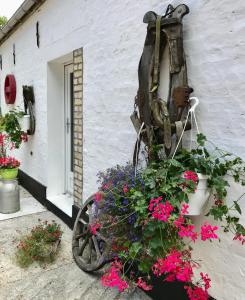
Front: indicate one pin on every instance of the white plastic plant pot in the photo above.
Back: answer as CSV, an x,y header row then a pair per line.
x,y
25,123
198,200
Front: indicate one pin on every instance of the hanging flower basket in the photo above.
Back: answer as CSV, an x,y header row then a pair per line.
x,y
198,200
25,122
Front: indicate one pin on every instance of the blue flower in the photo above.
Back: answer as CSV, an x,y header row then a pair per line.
x,y
132,219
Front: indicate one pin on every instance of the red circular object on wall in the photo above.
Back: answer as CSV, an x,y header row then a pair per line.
x,y
10,89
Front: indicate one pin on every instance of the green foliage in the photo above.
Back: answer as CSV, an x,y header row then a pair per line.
x,y
9,123
3,21
39,244
164,178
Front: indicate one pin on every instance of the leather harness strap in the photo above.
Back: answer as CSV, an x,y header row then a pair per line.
x,y
157,115
157,53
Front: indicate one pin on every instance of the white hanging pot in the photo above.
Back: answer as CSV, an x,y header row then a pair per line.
x,y
199,198
25,122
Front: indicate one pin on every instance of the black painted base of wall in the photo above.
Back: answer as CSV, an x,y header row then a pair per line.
x,y
39,192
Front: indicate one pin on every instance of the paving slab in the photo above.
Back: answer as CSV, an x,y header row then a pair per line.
x,y
61,280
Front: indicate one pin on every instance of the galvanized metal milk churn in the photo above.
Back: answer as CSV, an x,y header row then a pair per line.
x,y
9,196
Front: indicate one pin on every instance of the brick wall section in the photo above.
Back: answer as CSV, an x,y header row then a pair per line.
x,y
78,125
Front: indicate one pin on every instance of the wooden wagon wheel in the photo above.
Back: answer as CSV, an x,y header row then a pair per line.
x,y
90,251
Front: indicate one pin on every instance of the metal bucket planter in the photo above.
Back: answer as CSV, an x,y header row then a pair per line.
x,y
198,200
9,196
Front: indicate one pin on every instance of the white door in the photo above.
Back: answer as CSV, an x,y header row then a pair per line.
x,y
69,128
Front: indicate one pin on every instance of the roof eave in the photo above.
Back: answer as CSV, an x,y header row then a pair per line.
x,y
19,17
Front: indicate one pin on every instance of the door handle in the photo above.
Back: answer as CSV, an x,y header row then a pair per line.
x,y
68,124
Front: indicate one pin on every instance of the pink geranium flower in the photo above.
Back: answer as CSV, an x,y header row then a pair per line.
x,y
188,231
175,266
94,227
196,293
160,211
98,197
208,232
112,279
184,209
206,280
239,237
142,284
180,221
190,175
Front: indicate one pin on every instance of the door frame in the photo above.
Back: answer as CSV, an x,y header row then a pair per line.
x,y
68,128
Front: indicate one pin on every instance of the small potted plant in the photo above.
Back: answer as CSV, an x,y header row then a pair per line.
x,y
9,168
40,245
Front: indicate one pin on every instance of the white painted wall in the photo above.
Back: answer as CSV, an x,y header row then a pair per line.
x,y
112,34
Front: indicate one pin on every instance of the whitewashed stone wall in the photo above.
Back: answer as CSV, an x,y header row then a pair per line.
x,y
112,34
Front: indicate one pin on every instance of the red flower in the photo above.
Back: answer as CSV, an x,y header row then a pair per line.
x,y
125,189
9,163
24,137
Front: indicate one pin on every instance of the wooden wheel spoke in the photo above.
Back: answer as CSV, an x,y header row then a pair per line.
x,y
96,246
102,237
84,218
83,245
90,250
90,214
82,235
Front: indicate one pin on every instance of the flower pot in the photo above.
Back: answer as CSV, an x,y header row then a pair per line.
x,y
25,122
8,174
171,290
198,199
9,196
